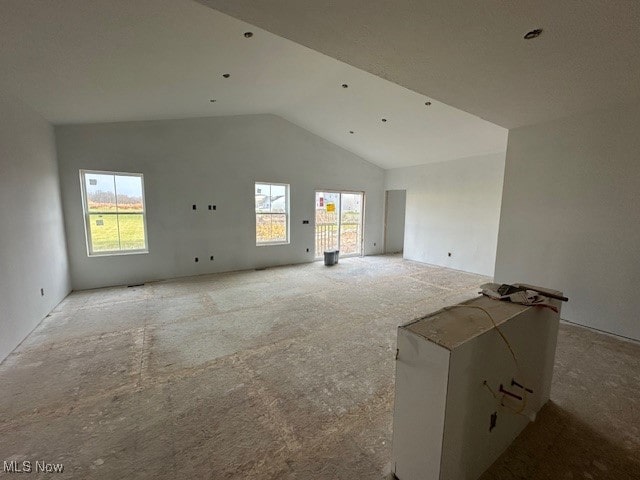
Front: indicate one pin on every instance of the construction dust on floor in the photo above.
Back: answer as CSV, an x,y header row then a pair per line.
x,y
285,373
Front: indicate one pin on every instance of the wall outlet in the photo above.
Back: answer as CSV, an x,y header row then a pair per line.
x,y
211,258
307,250
193,207
374,244
448,254
305,222
196,259
42,292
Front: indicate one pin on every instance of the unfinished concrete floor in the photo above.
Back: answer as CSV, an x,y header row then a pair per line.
x,y
285,373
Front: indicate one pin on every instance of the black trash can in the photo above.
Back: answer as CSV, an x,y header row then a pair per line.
x,y
331,257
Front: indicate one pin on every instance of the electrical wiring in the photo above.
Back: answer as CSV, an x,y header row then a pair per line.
x,y
500,399
495,325
495,395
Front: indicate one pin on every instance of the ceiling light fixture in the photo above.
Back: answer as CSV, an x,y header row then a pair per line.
x,y
344,85
226,75
248,34
533,34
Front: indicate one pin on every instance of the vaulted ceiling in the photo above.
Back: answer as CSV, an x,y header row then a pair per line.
x,y
78,61
471,54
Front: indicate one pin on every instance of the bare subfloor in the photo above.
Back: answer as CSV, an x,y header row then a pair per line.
x,y
285,373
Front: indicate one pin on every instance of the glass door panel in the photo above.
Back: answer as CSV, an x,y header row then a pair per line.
x,y
351,224
327,222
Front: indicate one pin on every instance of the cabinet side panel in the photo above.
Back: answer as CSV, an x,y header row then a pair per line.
x,y
422,371
549,322
473,440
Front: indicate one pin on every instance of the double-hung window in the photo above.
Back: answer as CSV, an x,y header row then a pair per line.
x,y
272,213
114,212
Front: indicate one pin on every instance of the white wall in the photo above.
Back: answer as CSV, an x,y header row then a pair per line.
x,y
209,161
570,215
33,253
394,214
452,206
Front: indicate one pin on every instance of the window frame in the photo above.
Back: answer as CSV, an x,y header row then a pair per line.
x,y
287,214
87,214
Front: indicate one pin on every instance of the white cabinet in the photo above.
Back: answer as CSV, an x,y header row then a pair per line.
x,y
448,425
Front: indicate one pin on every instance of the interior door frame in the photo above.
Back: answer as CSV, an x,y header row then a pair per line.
x,y
356,192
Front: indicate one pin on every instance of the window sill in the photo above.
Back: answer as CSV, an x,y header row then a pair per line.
x,y
117,253
269,244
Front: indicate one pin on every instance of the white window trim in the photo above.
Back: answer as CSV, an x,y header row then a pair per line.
x,y
287,214
87,215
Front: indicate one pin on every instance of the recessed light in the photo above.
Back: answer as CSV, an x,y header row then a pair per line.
x,y
427,103
226,75
384,119
248,34
533,34
344,85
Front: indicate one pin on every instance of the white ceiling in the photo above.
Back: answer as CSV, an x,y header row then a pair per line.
x,y
78,61
471,54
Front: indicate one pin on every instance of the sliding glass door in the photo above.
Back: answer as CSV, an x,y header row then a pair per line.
x,y
339,218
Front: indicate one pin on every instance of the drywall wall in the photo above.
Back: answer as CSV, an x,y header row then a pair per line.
x,y
206,161
570,215
454,207
394,213
33,253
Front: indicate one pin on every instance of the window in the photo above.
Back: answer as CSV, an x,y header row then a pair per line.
x,y
272,213
114,212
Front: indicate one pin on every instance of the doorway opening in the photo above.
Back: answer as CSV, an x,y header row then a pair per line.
x,y
394,213
339,220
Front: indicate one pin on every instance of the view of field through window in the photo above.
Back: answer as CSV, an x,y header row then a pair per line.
x,y
272,208
115,212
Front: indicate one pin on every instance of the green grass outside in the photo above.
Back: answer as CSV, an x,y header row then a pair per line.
x,y
106,237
